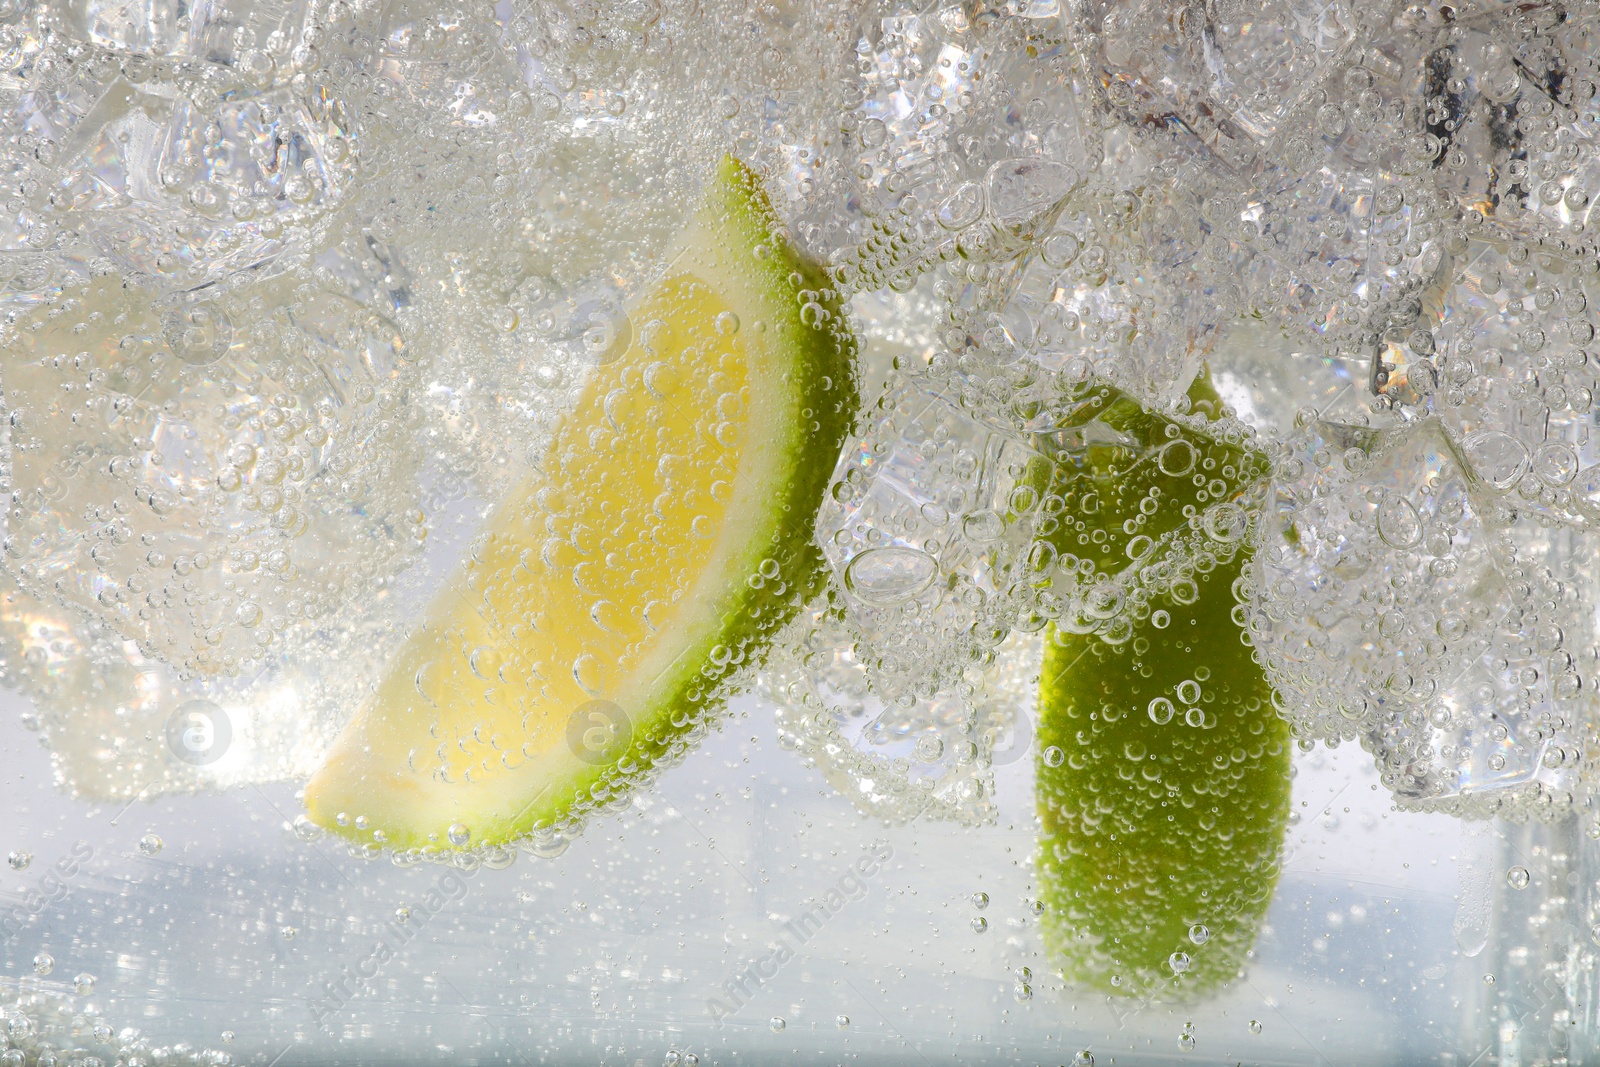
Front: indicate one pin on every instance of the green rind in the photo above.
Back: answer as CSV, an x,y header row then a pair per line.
x,y
1119,478
1135,851
754,613
735,219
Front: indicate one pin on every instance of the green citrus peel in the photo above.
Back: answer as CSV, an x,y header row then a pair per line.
x,y
1163,791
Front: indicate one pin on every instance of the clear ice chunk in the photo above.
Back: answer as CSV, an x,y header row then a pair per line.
x,y
1376,581
952,501
1513,377
929,194
946,531
1268,380
1226,76
213,492
931,757
1395,604
121,726
1530,178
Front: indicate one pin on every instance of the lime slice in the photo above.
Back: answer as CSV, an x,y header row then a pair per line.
x,y
595,626
1166,805
1163,790
1128,478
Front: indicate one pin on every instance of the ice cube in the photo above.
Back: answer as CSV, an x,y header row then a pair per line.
x,y
1227,76
209,490
1505,738
1084,304
1376,585
1394,603
189,193
952,501
1268,380
155,28
924,78
932,757
1529,179
945,530
219,31
1515,381
121,726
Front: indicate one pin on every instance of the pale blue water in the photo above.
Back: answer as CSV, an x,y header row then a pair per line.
x,y
621,950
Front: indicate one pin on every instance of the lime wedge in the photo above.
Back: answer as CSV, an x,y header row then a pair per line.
x,y
1163,792
1165,813
1128,476
594,628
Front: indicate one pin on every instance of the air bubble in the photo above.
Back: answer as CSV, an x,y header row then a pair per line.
x,y
1398,522
1177,458
962,208
890,575
1497,457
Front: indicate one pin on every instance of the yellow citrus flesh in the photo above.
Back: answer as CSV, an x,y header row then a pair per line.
x,y
663,536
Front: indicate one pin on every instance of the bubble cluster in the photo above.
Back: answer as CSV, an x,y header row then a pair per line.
x,y
289,301
1371,228
47,1023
